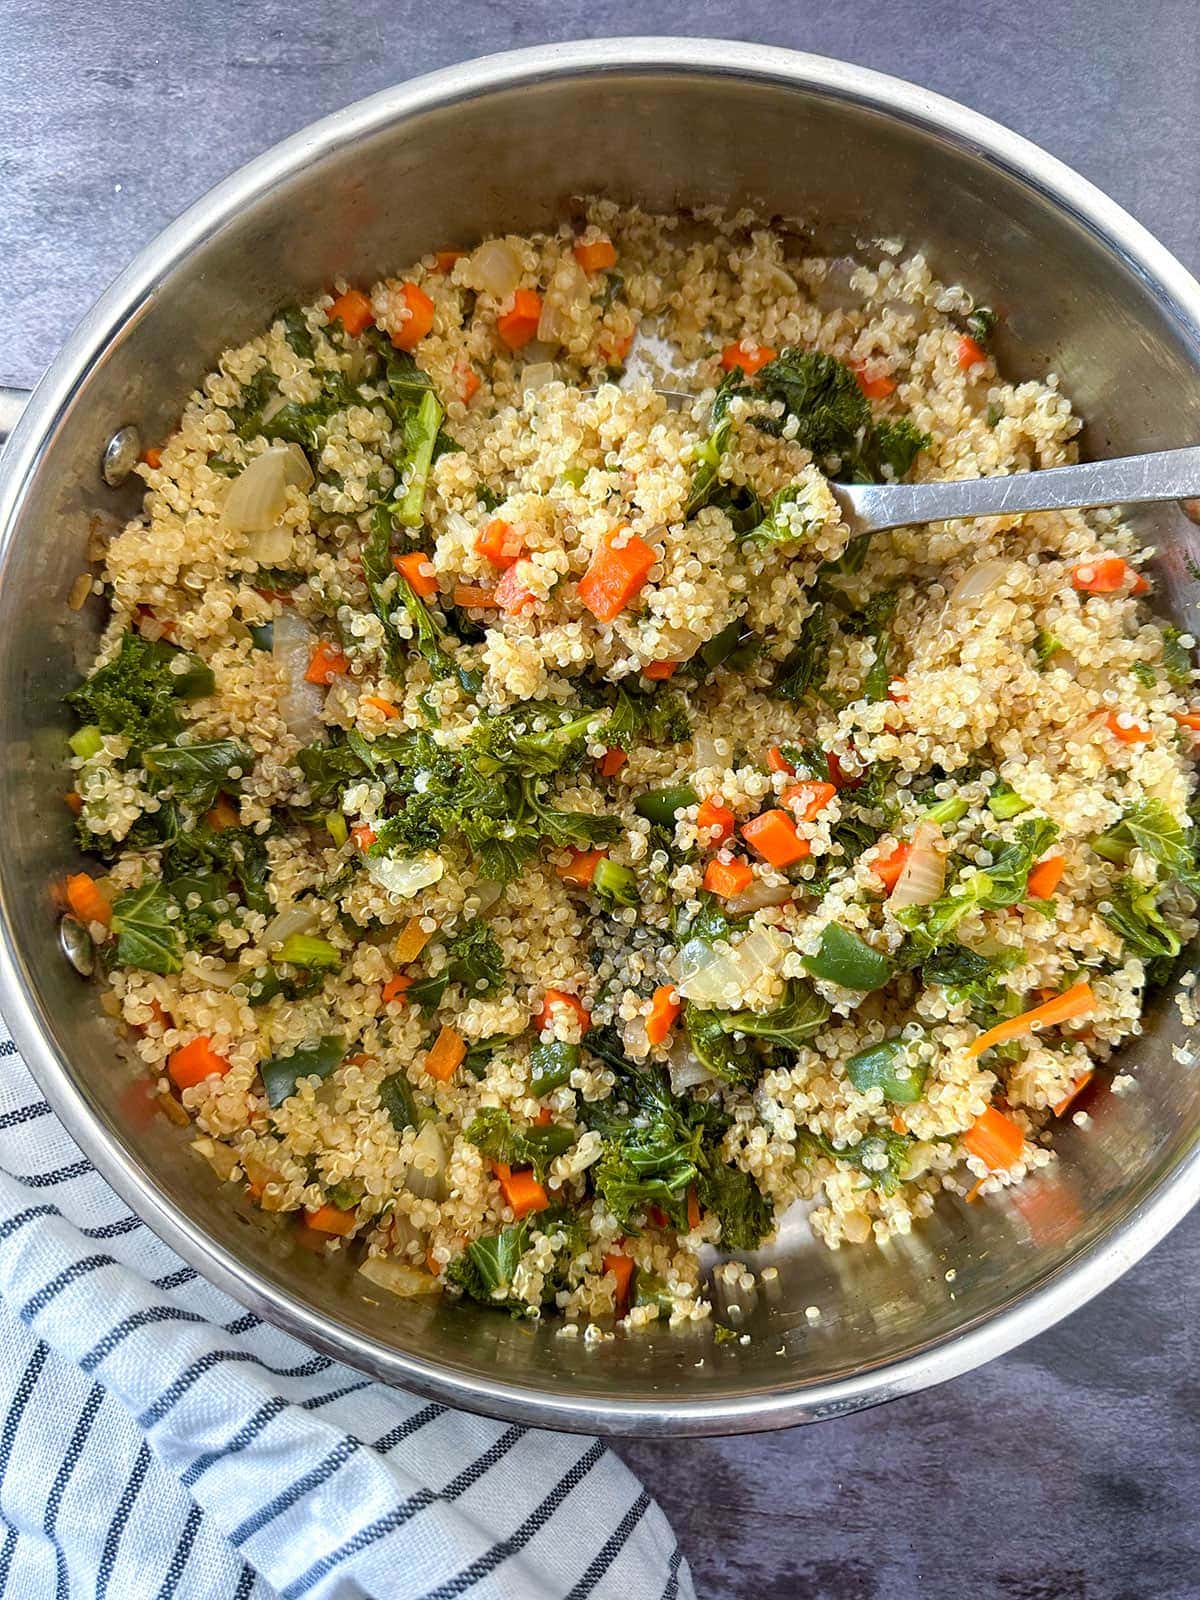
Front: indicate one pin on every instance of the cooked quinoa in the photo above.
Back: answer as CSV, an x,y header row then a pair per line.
x,y
540,843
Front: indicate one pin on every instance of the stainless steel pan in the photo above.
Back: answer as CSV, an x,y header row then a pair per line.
x,y
504,144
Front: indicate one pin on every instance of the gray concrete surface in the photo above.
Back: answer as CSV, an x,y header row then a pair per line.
x,y
1070,1470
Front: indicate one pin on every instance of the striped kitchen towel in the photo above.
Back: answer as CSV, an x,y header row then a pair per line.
x,y
159,1441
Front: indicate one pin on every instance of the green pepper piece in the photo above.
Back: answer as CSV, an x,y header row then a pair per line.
x,y
843,958
660,805
551,1066
305,950
886,1066
947,811
281,1074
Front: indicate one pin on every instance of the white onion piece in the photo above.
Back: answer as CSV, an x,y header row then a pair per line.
x,y
538,375
487,892
979,581
924,875
270,547
398,1278
292,919
719,975
404,876
257,497
496,268
684,1070
757,896
707,752
300,702
426,1175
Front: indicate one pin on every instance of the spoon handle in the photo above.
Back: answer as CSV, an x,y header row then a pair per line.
x,y
1127,480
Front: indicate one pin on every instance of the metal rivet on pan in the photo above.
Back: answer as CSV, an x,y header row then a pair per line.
x,y
120,454
77,946
1191,510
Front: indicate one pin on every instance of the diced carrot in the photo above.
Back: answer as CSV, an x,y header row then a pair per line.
x,y
657,1216
596,255
1122,726
1045,878
419,320
888,868
193,1063
715,819
415,567
152,457
447,1052
581,868
974,1191
446,258
543,1118
411,940
664,1011
1104,575
778,762
809,798
621,1268
1188,719
331,1219
513,594
396,987
363,836
1073,1093
1141,584
659,670
970,352
468,381
523,1193
473,597
898,1123
612,761
223,814
500,543
995,1139
615,574
898,691
327,662
556,1000
1077,1001
727,878
353,311
87,899
384,707
747,355
518,325
73,801
876,388
773,836
693,1209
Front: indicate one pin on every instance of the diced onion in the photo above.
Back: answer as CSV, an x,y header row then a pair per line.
x,y
301,702
289,921
537,375
426,1175
496,268
405,876
833,292
270,547
924,874
684,1069
720,975
979,581
221,1158
398,1278
707,753
487,892
257,497
757,896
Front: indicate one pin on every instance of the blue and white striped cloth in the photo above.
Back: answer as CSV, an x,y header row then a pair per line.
x,y
158,1441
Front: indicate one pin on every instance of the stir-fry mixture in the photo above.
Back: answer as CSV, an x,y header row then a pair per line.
x,y
538,841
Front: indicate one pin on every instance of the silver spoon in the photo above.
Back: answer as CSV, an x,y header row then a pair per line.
x,y
1124,480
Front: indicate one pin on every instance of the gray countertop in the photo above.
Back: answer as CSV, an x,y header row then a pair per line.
x,y
1070,1468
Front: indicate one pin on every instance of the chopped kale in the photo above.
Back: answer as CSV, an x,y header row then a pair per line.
x,y
197,773
281,1074
145,921
493,1131
803,669
137,693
